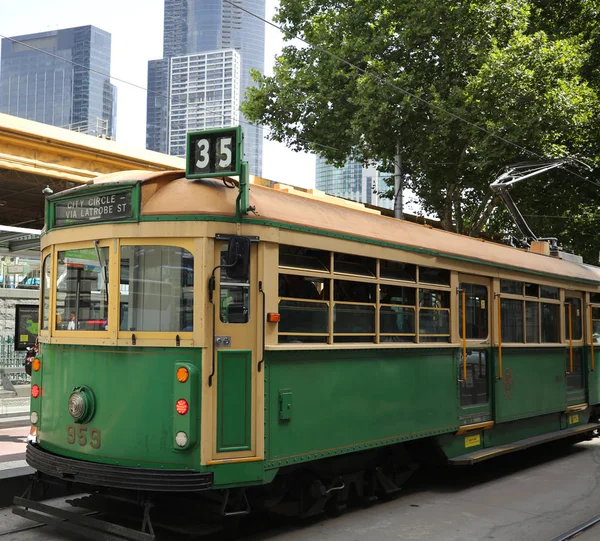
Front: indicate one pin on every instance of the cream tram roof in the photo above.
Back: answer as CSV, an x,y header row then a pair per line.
x,y
170,193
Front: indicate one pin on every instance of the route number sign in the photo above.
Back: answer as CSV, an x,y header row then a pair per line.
x,y
213,153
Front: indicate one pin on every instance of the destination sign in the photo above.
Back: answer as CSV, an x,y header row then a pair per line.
x,y
106,207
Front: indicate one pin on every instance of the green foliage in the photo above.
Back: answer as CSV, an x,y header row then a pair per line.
x,y
464,88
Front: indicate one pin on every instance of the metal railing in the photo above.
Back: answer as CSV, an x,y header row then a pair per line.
x,y
12,364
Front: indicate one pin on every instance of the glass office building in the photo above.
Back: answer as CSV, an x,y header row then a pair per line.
x,y
202,26
353,181
74,93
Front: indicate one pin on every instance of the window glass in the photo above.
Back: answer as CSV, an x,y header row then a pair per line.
x,y
596,324
512,287
595,298
303,258
348,318
81,290
303,317
532,290
476,315
575,304
347,291
434,316
353,264
394,270
512,320
234,295
157,289
300,287
46,293
550,323
548,292
429,275
532,324
396,320
474,390
397,295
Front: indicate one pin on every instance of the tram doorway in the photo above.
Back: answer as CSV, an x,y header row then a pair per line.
x,y
475,364
234,385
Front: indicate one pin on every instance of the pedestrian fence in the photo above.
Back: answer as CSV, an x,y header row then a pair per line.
x,y
12,365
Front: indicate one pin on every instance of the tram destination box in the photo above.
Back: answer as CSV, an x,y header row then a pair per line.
x,y
106,206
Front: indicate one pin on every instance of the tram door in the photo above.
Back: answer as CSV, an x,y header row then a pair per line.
x,y
474,334
573,328
234,382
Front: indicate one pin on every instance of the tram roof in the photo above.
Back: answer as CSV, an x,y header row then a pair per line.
x,y
169,193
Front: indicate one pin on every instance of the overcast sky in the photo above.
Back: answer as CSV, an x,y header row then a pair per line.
x,y
136,27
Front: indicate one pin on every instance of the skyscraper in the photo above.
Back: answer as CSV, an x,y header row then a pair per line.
x,y
353,181
203,26
75,94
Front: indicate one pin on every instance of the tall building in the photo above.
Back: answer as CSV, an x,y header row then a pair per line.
x,y
205,26
35,83
353,181
205,93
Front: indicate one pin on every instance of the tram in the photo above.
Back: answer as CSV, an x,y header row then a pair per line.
x,y
208,343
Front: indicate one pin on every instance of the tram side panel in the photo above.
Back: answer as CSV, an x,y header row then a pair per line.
x,y
324,403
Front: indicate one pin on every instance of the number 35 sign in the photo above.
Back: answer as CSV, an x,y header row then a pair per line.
x,y
213,153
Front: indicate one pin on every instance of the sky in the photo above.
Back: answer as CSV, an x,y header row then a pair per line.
x,y
136,27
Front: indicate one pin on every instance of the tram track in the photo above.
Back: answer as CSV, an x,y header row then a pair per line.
x,y
574,532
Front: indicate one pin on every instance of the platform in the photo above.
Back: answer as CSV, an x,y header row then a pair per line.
x,y
14,471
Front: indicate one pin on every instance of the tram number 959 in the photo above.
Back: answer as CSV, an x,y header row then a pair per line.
x,y
84,435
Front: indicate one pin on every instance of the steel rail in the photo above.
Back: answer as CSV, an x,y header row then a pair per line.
x,y
578,529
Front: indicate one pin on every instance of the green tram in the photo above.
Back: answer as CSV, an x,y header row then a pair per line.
x,y
284,349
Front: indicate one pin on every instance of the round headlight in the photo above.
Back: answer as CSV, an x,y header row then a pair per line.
x,y
33,417
76,405
181,439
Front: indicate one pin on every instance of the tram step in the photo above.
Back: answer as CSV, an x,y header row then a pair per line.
x,y
492,452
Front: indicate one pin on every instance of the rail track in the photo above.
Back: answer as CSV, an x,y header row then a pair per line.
x,y
574,532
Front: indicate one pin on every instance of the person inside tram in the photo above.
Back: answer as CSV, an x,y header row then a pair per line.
x,y
72,323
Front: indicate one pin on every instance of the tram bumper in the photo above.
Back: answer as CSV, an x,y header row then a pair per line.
x,y
121,477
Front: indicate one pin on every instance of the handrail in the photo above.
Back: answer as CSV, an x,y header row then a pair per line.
x,y
464,333
570,340
592,338
500,369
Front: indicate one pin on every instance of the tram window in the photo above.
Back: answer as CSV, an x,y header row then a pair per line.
x,y
154,288
547,292
397,320
512,320
353,264
295,257
596,323
354,319
532,322
300,287
347,291
234,296
474,390
303,317
512,287
532,290
550,323
476,312
595,298
397,295
46,293
575,318
81,290
429,275
394,270
434,316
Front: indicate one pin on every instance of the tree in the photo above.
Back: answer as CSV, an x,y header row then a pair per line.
x,y
463,88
